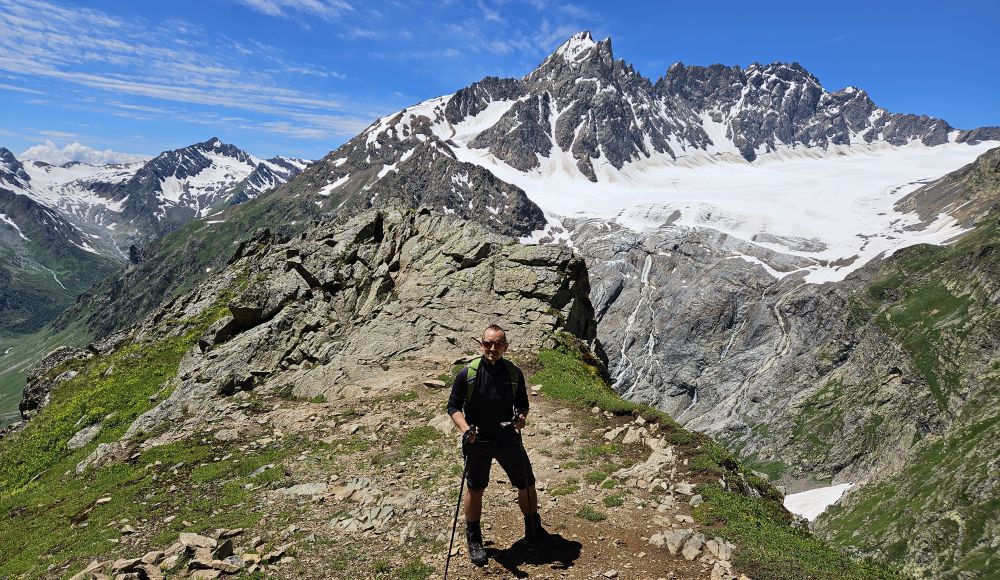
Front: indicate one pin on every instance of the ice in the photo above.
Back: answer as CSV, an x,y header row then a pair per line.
x,y
809,504
844,198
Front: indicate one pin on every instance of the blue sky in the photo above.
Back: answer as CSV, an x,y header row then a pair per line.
x,y
95,80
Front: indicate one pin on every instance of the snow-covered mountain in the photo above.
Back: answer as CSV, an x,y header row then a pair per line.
x,y
123,204
64,227
808,178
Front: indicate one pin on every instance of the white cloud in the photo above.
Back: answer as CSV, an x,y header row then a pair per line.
x,y
178,63
51,153
328,9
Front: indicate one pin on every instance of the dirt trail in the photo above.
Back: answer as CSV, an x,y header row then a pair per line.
x,y
574,463
584,549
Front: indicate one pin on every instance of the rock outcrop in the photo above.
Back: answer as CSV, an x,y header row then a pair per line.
x,y
314,315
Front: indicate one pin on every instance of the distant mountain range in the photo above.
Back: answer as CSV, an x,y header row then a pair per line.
x,y
62,228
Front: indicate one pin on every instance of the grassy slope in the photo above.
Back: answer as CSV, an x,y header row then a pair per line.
x,y
44,504
939,304
19,352
748,512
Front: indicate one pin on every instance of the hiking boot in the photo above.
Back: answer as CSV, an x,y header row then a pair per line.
x,y
530,531
535,536
474,537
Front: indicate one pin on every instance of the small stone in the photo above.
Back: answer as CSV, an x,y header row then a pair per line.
x,y
273,556
435,384
125,565
304,489
126,529
102,500
684,488
696,500
154,557
227,435
692,547
226,533
611,574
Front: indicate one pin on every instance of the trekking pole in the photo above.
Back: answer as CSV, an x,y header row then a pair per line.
x,y
461,488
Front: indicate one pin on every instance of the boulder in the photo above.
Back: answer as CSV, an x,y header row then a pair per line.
x,y
190,540
675,540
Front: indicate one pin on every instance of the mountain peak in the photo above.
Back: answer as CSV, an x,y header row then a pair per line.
x,y
579,46
211,143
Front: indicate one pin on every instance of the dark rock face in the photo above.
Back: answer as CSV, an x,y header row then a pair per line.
x,y
405,163
11,170
266,176
765,106
474,99
142,195
588,104
47,375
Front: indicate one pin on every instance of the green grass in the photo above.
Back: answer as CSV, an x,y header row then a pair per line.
x,y
45,520
23,351
415,570
768,547
44,504
614,500
565,489
418,437
111,390
921,504
596,476
590,514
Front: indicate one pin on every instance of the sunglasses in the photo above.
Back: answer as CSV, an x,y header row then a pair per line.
x,y
492,344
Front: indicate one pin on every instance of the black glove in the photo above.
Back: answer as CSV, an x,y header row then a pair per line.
x,y
470,434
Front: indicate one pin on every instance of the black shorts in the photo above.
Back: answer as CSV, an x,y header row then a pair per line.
x,y
509,454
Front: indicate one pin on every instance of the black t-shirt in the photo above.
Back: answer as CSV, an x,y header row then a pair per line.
x,y
492,401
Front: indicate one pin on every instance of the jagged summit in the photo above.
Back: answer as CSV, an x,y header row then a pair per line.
x,y
580,47
12,170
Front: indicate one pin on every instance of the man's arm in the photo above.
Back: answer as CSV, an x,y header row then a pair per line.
x,y
520,402
457,399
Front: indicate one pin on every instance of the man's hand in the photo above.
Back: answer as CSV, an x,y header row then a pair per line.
x,y
519,421
469,435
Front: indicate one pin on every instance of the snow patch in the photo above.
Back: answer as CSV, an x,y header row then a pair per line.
x,y
809,504
11,223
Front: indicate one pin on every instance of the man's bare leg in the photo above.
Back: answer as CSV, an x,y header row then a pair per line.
x,y
473,505
527,500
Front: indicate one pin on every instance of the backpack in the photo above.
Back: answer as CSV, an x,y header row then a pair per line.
x,y
473,368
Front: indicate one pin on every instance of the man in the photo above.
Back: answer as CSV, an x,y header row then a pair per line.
x,y
490,409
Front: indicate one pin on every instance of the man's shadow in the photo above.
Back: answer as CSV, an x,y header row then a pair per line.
x,y
558,551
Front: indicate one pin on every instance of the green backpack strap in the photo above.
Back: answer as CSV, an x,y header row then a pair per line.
x,y
473,369
511,377
470,378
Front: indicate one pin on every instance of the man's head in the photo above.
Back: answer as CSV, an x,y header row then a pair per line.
x,y
494,343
